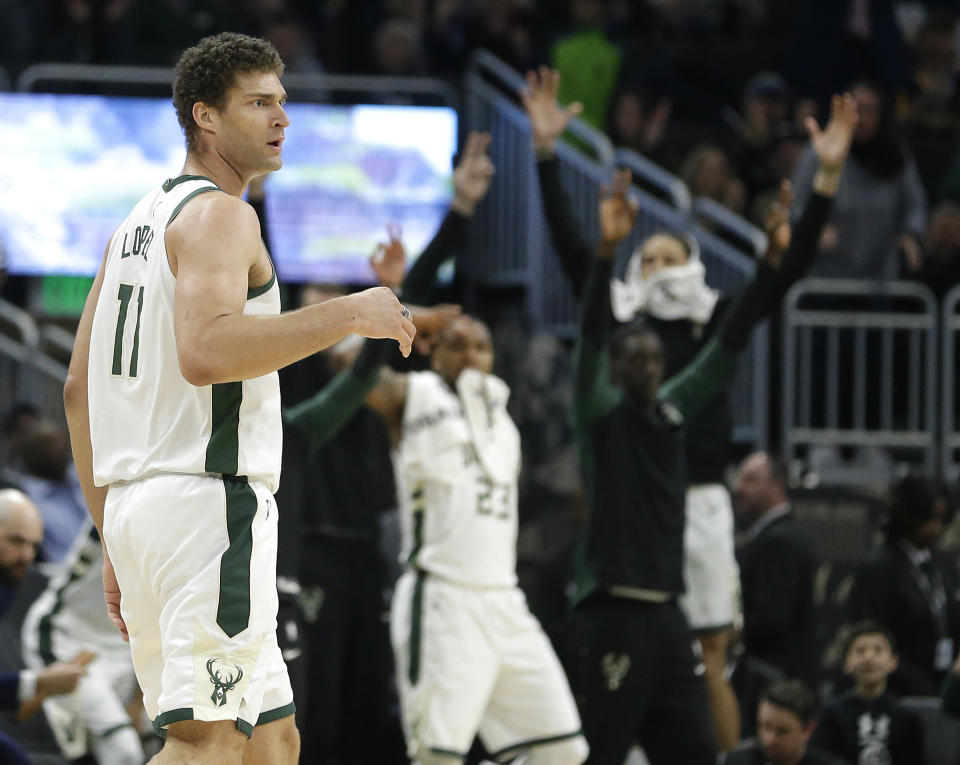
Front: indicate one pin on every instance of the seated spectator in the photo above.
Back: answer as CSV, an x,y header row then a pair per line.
x,y
941,261
776,569
21,530
868,724
910,588
47,476
785,722
707,173
881,207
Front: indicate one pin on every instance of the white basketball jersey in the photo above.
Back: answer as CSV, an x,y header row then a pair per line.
x,y
72,609
145,418
458,462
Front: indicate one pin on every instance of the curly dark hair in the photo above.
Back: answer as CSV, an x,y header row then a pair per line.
x,y
206,72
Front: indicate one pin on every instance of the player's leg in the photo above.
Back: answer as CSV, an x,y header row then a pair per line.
x,y
531,711
446,666
711,603
724,707
194,742
677,726
274,743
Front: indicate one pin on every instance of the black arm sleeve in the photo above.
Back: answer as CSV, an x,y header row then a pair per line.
x,y
596,308
575,253
450,237
763,294
798,258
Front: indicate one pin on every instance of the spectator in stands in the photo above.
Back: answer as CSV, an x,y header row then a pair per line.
x,y
950,693
765,108
589,62
931,101
785,721
398,48
776,569
868,724
910,588
639,121
665,286
84,31
707,173
941,248
881,207
48,477
21,530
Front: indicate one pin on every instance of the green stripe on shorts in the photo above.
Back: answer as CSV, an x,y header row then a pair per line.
x,y
416,626
233,608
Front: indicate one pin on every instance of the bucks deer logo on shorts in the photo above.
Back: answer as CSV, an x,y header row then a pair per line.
x,y
224,678
615,668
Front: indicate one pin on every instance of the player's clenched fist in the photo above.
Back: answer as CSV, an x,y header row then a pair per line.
x,y
378,314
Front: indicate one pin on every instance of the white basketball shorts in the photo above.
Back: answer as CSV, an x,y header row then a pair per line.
x,y
710,571
196,557
472,660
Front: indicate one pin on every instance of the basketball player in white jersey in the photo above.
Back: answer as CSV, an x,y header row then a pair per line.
x,y
471,658
173,405
69,618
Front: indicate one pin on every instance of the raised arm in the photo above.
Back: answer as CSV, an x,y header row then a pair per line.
x,y
831,146
548,120
594,392
320,417
215,242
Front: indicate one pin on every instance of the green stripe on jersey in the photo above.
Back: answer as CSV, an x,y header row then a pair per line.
x,y
223,448
171,182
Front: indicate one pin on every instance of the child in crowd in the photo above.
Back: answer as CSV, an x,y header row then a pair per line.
x,y
868,724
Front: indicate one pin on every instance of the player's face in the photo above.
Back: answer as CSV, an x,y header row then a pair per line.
x,y
19,540
250,127
870,659
661,251
465,344
782,734
638,367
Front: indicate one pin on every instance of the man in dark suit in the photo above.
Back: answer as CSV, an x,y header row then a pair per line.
x,y
910,588
776,570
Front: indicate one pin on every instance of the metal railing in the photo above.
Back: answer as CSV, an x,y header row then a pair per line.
x,y
950,427
859,370
26,373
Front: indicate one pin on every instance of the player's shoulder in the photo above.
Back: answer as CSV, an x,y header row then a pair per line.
x,y
216,209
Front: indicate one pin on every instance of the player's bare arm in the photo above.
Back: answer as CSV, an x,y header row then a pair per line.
x,y
78,422
215,245
77,409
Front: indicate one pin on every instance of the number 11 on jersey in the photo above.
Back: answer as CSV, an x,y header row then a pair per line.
x,y
124,295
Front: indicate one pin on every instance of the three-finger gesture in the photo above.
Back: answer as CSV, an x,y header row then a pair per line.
x,y
472,175
617,213
548,119
389,260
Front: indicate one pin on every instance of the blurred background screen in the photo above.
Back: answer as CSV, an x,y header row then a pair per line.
x,y
71,168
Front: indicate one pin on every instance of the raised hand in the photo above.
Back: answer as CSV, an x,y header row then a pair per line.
x,y
471,177
548,119
617,213
776,223
832,144
389,261
379,314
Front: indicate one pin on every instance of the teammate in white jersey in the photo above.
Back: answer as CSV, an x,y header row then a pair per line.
x,y
174,413
471,658
69,618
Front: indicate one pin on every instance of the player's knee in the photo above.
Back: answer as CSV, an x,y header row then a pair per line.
x,y
197,741
289,741
571,751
